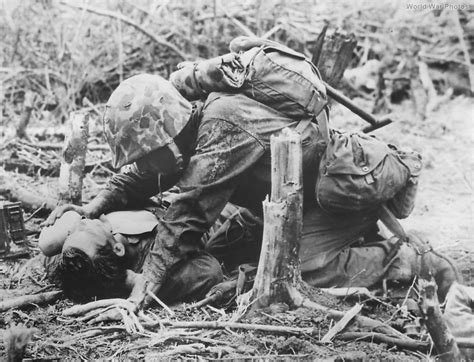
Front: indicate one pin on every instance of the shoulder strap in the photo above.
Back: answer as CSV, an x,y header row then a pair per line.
x,y
323,123
391,222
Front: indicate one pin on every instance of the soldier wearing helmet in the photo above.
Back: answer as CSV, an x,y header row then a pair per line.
x,y
214,153
219,152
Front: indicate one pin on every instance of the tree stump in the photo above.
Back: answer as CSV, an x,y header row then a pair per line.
x,y
442,337
278,275
71,173
28,105
333,54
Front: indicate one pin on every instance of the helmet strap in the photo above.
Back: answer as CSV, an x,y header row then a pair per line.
x,y
177,154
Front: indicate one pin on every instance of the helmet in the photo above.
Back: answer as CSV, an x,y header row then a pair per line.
x,y
144,113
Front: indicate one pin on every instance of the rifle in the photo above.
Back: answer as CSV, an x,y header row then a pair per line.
x,y
368,117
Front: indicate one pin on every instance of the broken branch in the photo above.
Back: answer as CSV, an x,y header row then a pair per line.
x,y
236,325
409,344
130,22
342,323
85,308
25,300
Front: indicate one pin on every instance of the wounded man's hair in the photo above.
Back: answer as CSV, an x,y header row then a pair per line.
x,y
84,279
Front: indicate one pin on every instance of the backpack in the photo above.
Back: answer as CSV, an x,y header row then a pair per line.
x,y
358,172
269,73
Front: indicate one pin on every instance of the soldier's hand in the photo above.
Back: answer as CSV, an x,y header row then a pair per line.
x,y
141,288
60,210
138,285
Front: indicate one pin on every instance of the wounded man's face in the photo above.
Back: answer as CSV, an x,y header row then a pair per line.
x,y
91,263
89,237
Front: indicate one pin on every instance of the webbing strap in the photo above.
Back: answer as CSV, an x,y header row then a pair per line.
x,y
301,126
391,222
322,120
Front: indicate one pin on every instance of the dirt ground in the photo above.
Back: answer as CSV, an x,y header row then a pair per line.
x,y
444,212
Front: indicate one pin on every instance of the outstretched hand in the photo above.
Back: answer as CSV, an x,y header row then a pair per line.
x,y
139,290
60,210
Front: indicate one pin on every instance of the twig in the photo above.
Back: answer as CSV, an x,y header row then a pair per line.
x,y
238,23
130,22
342,323
36,211
409,344
58,147
94,333
272,31
404,300
88,103
362,321
160,302
26,300
234,325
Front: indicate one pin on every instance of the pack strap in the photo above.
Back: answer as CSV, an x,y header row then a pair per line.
x,y
301,126
323,123
392,224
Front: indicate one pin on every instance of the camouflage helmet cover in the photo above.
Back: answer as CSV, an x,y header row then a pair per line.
x,y
144,113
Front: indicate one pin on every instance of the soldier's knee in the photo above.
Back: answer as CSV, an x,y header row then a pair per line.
x,y
209,269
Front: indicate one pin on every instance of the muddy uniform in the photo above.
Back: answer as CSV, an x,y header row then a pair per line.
x,y
230,162
226,157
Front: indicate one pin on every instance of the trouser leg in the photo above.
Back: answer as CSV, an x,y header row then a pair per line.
x,y
237,239
190,279
368,264
360,266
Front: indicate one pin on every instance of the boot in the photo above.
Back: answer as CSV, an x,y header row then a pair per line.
x,y
416,258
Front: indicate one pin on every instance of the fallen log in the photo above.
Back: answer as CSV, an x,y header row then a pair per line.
x,y
28,198
25,300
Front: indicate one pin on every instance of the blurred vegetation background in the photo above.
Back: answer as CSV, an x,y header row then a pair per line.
x,y
72,54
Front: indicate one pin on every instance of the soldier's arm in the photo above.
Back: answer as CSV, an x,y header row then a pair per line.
x,y
131,188
128,189
224,152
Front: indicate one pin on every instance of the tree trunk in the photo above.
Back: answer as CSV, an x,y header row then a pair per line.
x,y
71,173
278,275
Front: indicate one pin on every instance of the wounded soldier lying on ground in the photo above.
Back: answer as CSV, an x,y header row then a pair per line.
x,y
99,258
